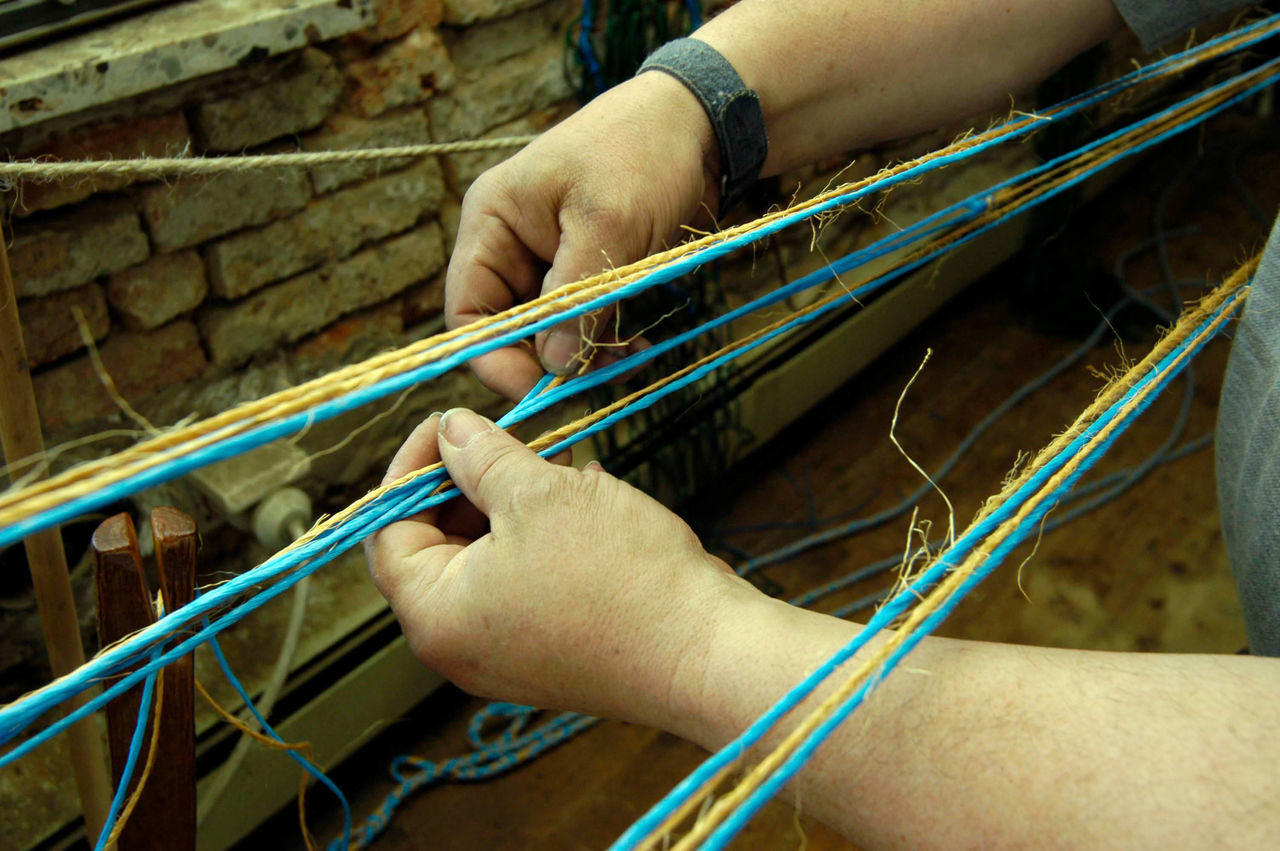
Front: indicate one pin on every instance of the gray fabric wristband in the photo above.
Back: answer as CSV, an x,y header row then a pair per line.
x,y
733,108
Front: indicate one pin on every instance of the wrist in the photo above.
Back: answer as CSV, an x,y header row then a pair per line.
x,y
679,116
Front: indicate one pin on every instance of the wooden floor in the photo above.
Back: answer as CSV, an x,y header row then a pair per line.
x,y
1146,572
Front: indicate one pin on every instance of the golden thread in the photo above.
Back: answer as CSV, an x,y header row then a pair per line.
x,y
17,504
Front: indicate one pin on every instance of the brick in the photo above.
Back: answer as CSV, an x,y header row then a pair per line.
x,y
424,301
394,18
462,169
364,331
463,12
514,87
349,132
298,101
477,48
152,136
94,239
196,210
327,229
165,287
49,326
289,311
401,73
139,363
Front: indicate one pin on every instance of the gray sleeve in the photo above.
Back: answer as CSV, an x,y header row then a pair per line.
x,y
1157,22
1248,450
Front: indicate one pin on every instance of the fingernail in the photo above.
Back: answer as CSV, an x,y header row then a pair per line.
x,y
461,426
593,465
434,415
560,349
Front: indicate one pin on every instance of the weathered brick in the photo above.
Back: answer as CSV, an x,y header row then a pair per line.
x,y
49,325
165,287
327,229
463,169
463,12
192,211
394,18
478,48
139,363
289,311
375,327
95,239
296,102
424,301
401,73
348,132
514,87
154,136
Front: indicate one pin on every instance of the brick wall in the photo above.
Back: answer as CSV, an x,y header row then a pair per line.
x,y
190,287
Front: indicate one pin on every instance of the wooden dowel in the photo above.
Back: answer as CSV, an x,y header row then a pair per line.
x,y
174,534
50,579
124,607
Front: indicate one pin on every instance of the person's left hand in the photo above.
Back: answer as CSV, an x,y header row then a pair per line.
x,y
548,585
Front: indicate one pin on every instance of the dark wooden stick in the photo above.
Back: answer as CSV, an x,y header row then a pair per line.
x,y
20,431
124,607
175,538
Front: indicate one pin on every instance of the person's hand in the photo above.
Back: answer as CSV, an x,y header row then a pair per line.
x,y
610,185
577,591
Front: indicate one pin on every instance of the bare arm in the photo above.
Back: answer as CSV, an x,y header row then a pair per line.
x,y
978,744
839,75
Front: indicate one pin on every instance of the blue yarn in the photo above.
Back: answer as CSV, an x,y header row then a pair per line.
x,y
306,764
130,763
237,444
1159,379
490,758
416,495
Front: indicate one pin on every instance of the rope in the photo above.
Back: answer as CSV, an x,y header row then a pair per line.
x,y
418,491
154,168
181,450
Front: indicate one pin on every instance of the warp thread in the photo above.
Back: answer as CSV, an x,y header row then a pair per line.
x,y
155,168
282,413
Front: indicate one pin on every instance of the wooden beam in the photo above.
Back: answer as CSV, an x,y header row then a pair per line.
x,y
50,579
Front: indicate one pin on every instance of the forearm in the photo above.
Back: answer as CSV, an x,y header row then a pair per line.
x,y
978,743
839,75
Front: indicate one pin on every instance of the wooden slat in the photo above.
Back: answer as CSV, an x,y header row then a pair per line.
x,y
176,539
51,582
124,607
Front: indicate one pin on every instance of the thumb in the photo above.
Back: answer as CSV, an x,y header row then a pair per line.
x,y
485,462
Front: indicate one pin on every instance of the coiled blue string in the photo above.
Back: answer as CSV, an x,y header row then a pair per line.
x,y
490,758
236,444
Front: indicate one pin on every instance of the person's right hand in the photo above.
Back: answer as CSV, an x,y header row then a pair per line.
x,y
610,185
